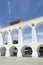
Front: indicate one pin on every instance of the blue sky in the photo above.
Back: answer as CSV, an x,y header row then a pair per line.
x,y
11,10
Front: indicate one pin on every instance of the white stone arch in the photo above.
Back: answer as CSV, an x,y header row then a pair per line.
x,y
15,36
26,51
24,30
40,50
2,51
26,26
39,23
39,34
5,35
13,51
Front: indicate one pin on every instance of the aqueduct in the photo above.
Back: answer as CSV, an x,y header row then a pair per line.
x,y
20,45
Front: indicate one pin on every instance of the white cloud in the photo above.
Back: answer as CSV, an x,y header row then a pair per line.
x,y
26,35
27,40
0,26
20,6
40,39
40,33
9,8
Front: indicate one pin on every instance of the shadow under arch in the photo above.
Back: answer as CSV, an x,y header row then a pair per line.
x,y
13,51
26,51
40,50
3,51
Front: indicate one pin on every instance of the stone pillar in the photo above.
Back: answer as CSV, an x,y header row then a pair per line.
x,y
34,36
35,54
1,39
9,38
20,37
7,52
19,54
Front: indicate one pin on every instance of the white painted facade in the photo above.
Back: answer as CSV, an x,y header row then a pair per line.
x,y
20,46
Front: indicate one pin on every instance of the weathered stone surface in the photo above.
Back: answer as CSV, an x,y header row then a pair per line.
x,y
20,61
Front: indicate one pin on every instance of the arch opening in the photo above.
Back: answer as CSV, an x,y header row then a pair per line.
x,y
39,31
5,38
27,51
27,35
3,51
13,51
15,37
40,52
